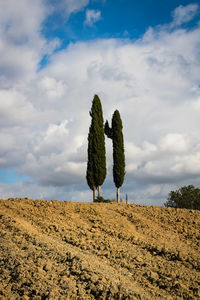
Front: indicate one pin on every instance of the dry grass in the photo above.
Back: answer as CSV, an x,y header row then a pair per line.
x,y
65,250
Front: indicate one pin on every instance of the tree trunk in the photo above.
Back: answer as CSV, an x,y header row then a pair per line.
x,y
99,191
118,194
94,194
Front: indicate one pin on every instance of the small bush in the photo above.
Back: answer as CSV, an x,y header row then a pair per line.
x,y
102,200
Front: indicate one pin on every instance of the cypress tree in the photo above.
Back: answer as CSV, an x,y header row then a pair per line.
x,y
96,166
116,134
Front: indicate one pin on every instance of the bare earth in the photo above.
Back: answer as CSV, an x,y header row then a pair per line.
x,y
65,250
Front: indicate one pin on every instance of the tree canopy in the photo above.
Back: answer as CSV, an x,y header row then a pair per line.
x,y
185,197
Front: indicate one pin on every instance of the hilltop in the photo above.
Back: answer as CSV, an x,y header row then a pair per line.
x,y
65,250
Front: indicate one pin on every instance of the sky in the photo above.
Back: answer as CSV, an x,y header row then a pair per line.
x,y
141,57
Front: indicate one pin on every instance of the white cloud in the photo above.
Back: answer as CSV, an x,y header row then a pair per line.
x,y
21,43
52,87
53,140
183,14
92,16
75,5
15,109
174,142
67,7
7,143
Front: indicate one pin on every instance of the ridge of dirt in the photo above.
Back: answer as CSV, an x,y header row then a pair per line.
x,y
66,250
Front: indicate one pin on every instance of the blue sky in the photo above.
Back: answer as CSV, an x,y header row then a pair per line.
x,y
141,57
10,176
123,19
118,19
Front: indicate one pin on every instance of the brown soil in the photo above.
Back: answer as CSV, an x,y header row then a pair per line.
x,y
65,250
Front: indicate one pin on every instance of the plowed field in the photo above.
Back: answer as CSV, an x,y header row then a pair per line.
x,y
65,250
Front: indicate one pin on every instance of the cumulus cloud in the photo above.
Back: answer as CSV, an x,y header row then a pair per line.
x,y
22,45
174,143
51,87
44,114
92,16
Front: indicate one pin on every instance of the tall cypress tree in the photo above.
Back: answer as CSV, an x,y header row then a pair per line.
x,y
116,134
96,166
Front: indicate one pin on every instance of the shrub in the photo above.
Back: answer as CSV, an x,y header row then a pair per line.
x,y
101,199
185,197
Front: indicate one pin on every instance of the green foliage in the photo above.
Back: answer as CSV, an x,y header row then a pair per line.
x,y
96,165
90,171
102,200
108,130
115,133
185,197
118,150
